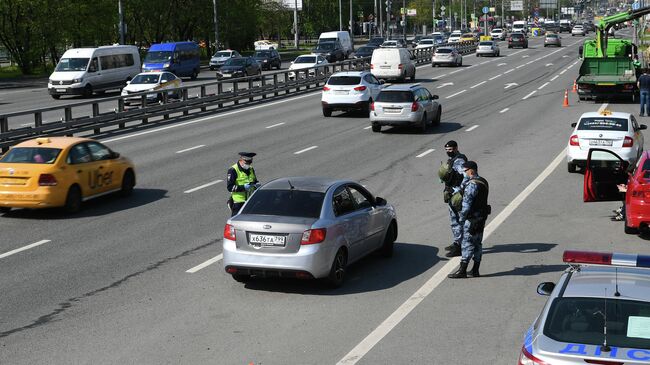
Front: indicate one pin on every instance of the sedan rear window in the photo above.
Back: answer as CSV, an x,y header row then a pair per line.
x,y
443,50
305,60
344,80
285,203
395,97
603,124
31,155
582,320
486,44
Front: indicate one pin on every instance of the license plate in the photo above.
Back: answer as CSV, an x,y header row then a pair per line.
x,y
392,110
267,240
384,66
12,181
226,75
60,90
600,142
340,92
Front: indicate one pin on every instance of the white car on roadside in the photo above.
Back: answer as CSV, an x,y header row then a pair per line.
x,y
426,43
351,90
151,81
306,62
454,37
498,34
613,131
578,29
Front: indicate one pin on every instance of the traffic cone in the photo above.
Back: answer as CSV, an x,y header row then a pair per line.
x,y
566,98
575,87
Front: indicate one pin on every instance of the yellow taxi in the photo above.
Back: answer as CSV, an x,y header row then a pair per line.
x,y
468,37
61,172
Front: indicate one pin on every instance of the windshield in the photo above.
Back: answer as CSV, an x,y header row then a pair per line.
x,y
72,64
235,62
395,97
376,41
497,30
468,35
582,320
158,57
145,79
286,203
325,46
344,80
262,54
305,60
551,36
517,36
426,41
31,155
365,50
603,124
485,43
222,54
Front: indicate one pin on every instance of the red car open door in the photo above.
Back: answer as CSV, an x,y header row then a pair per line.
x,y
604,170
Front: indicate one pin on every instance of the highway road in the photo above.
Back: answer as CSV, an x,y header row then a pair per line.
x,y
139,281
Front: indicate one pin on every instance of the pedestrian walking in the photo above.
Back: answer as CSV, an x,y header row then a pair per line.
x,y
643,84
241,181
451,174
472,216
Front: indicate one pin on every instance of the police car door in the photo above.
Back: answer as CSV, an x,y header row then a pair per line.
x,y
102,178
604,170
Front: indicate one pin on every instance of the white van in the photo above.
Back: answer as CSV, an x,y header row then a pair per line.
x,y
84,71
340,36
392,63
519,26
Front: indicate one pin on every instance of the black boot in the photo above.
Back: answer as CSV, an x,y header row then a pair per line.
x,y
474,273
461,273
452,247
455,251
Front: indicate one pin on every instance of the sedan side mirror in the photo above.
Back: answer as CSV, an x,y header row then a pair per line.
x,y
545,288
573,125
380,202
128,82
434,97
643,126
382,81
114,155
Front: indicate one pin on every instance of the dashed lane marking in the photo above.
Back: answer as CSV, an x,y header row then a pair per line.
x,y
529,95
471,128
305,150
191,148
275,125
543,86
12,252
555,77
504,110
205,264
425,153
479,84
456,94
202,186
494,77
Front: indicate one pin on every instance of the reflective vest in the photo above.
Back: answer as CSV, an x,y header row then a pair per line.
x,y
243,179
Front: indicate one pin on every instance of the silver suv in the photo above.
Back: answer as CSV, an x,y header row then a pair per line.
x,y
401,105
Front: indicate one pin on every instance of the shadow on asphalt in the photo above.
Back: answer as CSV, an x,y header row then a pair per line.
x,y
96,207
519,248
528,270
371,273
444,127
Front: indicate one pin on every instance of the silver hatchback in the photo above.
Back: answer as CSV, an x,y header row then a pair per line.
x,y
307,227
405,105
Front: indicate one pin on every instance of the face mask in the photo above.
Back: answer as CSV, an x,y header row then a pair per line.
x,y
466,174
245,166
451,154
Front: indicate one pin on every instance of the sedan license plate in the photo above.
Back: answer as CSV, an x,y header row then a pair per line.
x,y
265,240
386,67
60,90
340,92
600,142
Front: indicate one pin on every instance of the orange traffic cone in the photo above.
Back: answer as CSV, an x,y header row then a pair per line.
x,y
575,87
566,98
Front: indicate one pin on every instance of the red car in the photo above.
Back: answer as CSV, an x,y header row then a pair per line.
x,y
637,198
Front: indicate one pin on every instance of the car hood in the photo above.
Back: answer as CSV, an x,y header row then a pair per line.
x,y
299,66
219,59
66,76
134,88
232,68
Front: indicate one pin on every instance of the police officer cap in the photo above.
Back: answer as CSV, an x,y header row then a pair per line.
x,y
247,156
451,143
470,165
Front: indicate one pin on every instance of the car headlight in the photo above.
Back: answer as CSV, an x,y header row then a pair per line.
x,y
265,61
76,81
166,65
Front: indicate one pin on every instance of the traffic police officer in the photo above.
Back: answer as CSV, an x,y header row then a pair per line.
x,y
241,181
452,185
472,217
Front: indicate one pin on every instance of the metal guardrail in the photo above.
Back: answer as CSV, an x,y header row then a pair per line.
x,y
71,119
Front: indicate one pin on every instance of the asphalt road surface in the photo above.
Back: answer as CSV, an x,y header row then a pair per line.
x,y
110,285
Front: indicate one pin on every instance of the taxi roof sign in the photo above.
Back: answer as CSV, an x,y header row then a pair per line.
x,y
43,140
605,112
606,259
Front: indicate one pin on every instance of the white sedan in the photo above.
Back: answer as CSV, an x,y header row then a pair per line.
x,y
352,90
613,131
578,30
454,38
426,43
151,81
306,61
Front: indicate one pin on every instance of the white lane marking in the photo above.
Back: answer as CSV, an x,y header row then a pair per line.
x,y
456,94
471,128
368,127
266,105
305,150
555,77
603,107
453,72
525,56
502,64
514,53
6,254
202,186
425,153
275,125
563,71
565,56
543,85
529,62
191,148
425,290
520,66
509,85
494,77
205,264
443,75
529,95
504,110
445,84
479,84
548,64
482,63
509,71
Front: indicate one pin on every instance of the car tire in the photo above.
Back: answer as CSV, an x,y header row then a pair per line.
x,y
327,112
337,272
195,74
422,128
509,46
629,230
128,182
438,116
88,91
73,200
413,76
211,68
366,112
241,278
4,210
432,65
386,249
571,167
376,128
460,64
56,97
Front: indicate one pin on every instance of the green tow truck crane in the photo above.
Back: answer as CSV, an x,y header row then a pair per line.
x,y
609,67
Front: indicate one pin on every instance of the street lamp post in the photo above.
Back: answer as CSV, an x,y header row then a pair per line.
x,y
120,10
340,16
216,25
351,22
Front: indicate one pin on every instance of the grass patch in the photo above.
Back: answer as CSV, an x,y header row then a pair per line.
x,y
13,72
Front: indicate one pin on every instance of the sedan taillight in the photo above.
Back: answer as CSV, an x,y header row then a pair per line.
x,y
312,236
526,358
325,88
573,141
414,107
229,232
628,142
360,88
47,180
372,106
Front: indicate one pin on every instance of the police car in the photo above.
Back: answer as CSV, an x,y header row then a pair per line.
x,y
597,313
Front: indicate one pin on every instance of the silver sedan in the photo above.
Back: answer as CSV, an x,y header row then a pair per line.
x,y
307,227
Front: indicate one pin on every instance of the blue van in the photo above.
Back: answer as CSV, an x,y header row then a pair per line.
x,y
179,58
